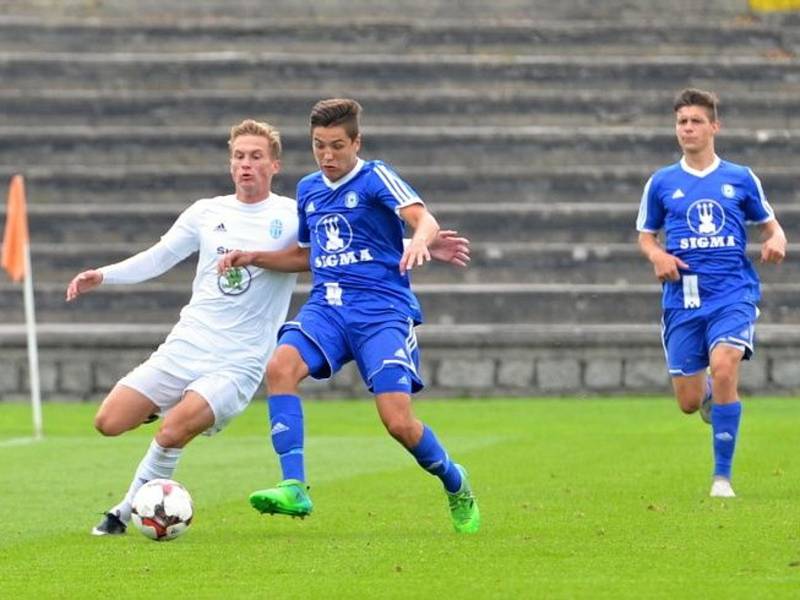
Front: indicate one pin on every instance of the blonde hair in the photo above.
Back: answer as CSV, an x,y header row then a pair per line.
x,y
265,130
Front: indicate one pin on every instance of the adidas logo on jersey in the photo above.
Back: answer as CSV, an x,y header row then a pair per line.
x,y
724,437
220,227
310,208
400,353
678,194
278,428
403,380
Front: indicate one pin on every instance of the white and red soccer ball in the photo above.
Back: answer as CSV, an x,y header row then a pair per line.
x,y
162,509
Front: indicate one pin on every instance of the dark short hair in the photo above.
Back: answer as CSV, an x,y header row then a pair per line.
x,y
335,112
695,97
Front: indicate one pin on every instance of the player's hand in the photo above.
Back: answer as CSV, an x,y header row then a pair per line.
x,y
666,266
773,250
83,282
234,258
448,247
415,254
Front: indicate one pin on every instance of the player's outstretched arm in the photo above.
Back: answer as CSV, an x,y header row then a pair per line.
x,y
425,231
83,282
665,266
449,247
773,242
291,260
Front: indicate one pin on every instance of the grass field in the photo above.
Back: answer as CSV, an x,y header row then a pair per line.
x,y
602,498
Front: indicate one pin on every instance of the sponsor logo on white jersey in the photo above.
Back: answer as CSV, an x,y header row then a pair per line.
x,y
235,281
220,227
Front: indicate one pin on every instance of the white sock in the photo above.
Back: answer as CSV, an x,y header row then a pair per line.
x,y
158,463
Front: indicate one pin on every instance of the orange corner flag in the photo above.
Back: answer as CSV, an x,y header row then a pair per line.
x,y
15,238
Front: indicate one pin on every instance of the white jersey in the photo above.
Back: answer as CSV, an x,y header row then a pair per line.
x,y
230,323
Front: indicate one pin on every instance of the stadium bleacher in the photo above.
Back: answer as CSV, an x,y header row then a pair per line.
x,y
530,129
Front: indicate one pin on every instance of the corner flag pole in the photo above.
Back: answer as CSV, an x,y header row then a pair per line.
x,y
16,260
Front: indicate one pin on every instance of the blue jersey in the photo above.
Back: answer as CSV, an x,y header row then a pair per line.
x,y
704,216
355,234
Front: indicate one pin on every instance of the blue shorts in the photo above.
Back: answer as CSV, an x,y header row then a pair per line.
x,y
689,336
374,342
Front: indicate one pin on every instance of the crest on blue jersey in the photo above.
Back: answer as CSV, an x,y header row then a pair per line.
x,y
351,200
705,217
728,191
334,233
276,228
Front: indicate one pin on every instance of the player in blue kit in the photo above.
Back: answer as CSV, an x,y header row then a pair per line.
x,y
710,288
352,215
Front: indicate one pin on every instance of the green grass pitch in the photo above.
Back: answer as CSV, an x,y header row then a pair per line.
x,y
597,498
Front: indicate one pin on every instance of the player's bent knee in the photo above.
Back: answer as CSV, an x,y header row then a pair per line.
x,y
282,372
285,368
725,376
172,435
402,429
109,426
689,403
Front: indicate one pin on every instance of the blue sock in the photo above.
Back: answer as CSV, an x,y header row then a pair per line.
x,y
725,427
286,426
433,458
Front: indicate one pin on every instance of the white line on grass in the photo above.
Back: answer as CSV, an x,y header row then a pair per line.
x,y
19,441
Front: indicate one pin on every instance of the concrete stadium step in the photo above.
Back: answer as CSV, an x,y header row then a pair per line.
x,y
464,9
492,263
371,33
440,186
412,146
474,335
331,73
284,108
559,222
579,263
442,303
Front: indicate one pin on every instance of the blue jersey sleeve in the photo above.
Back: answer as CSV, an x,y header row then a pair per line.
x,y
391,190
755,205
651,210
303,234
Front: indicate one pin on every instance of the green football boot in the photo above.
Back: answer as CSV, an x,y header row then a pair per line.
x,y
289,497
463,506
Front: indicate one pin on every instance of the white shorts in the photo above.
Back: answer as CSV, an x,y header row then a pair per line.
x,y
165,390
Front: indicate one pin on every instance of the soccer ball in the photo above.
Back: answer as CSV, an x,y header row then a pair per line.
x,y
162,509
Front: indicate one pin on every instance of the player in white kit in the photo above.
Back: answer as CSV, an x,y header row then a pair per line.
x,y
213,360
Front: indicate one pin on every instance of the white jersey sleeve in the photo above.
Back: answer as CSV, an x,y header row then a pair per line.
x,y
180,241
154,261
